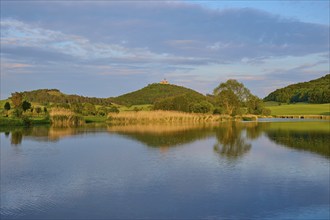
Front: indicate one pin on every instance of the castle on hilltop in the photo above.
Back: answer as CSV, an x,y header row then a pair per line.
x,y
164,82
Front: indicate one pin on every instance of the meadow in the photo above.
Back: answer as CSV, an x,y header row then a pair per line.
x,y
298,109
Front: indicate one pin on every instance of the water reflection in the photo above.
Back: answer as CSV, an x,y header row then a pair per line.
x,y
312,137
47,133
233,138
164,136
107,174
232,142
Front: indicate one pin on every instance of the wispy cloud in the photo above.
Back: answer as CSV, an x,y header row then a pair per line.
x,y
21,35
107,42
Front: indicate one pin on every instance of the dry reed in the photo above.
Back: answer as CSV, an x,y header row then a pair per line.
x,y
159,116
60,117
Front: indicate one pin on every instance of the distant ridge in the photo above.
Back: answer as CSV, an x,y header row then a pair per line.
x,y
43,96
314,91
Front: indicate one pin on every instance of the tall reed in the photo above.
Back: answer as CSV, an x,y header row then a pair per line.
x,y
61,117
163,117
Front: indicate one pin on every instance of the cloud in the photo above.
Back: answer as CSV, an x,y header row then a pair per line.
x,y
174,28
105,43
17,34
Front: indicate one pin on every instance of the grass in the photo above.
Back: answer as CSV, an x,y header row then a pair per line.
x,y
9,122
95,119
300,126
300,109
123,108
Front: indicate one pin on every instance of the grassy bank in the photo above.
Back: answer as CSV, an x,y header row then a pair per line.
x,y
299,109
9,122
95,119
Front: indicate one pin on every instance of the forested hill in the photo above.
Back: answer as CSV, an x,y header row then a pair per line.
x,y
314,91
154,92
45,96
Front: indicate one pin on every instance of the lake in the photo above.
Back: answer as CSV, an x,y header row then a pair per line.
x,y
235,170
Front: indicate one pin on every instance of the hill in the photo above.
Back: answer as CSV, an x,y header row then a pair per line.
x,y
314,91
154,92
45,96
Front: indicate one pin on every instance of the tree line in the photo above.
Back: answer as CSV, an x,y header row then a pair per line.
x,y
314,91
230,97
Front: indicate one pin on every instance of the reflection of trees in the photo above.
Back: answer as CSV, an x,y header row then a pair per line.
x,y
255,129
46,133
16,137
231,143
314,141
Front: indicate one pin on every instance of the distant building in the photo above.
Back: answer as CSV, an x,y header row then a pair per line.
x,y
164,82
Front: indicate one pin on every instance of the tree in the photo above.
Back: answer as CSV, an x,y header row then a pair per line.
x,y
201,107
7,106
89,109
229,102
238,89
26,105
254,105
17,99
38,110
231,96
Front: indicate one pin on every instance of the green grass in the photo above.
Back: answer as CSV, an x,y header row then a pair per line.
x,y
8,121
300,126
300,109
95,119
145,107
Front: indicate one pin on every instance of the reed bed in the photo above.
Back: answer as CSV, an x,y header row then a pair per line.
x,y
159,116
60,117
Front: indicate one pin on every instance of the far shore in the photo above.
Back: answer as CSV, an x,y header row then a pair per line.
x,y
150,117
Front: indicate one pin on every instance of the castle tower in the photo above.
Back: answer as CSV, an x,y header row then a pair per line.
x,y
164,82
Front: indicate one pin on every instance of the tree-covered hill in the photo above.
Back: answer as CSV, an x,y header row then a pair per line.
x,y
314,91
154,92
45,96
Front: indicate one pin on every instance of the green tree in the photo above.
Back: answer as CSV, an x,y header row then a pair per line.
x,y
38,110
231,96
237,88
7,106
26,105
89,109
114,109
201,107
254,105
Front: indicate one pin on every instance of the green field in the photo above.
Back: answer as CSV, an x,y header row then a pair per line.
x,y
299,109
7,121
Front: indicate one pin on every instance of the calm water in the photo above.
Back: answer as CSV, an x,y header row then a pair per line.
x,y
275,170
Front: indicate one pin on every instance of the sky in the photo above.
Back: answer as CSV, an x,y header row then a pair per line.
x,y
108,48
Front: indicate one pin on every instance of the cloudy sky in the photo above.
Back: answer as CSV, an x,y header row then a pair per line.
x,y
107,48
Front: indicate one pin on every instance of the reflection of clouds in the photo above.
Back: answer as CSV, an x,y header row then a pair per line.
x,y
112,168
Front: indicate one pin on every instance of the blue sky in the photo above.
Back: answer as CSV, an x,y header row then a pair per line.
x,y
107,48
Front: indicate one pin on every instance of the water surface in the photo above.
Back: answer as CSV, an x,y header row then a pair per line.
x,y
270,170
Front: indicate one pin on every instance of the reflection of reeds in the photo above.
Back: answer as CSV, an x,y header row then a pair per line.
x,y
65,118
145,117
157,128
